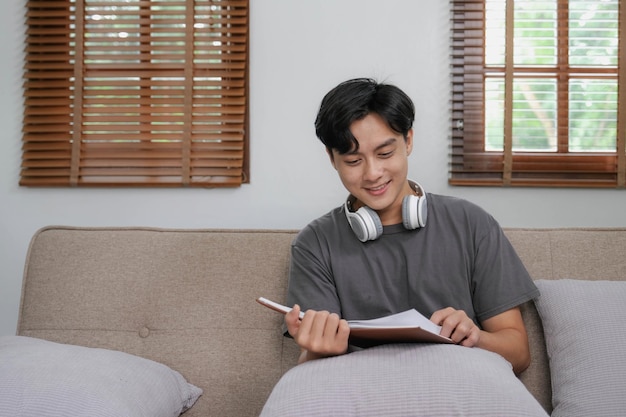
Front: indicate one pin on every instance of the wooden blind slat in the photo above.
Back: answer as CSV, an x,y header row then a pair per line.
x,y
172,92
45,150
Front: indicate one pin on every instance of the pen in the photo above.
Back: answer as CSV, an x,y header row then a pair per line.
x,y
276,307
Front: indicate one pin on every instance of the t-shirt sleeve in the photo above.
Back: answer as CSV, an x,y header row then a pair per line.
x,y
500,280
311,282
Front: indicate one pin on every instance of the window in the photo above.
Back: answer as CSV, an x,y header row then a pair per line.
x,y
538,93
136,93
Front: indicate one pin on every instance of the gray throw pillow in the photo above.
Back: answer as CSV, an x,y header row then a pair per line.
x,y
403,380
585,330
42,378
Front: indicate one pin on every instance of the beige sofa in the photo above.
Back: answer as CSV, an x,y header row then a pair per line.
x,y
186,298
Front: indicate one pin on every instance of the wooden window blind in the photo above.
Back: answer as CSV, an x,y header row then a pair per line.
x,y
538,93
136,93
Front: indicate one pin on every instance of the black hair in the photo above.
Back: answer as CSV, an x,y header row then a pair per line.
x,y
354,99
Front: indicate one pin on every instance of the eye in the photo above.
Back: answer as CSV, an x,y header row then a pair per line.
x,y
351,162
387,154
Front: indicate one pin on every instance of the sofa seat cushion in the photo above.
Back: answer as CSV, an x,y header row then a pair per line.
x,y
402,380
42,378
585,334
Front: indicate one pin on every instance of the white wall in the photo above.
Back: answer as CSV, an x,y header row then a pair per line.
x,y
299,50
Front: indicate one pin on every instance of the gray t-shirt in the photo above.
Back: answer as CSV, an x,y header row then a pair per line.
x,y
459,259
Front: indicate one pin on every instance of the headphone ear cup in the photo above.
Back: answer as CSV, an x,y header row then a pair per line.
x,y
414,212
365,224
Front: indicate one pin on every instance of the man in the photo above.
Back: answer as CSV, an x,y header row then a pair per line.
x,y
392,247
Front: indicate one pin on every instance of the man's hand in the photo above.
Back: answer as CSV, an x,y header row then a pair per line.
x,y
319,334
456,325
504,334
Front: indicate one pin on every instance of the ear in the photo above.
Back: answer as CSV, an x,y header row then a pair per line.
x,y
331,155
409,142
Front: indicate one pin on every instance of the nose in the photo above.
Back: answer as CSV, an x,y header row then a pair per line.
x,y
373,170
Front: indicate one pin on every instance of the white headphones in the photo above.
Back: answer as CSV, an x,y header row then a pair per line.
x,y
366,224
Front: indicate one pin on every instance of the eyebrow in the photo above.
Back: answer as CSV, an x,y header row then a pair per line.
x,y
386,143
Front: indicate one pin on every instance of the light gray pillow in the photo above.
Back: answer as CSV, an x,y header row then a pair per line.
x,y
403,380
42,378
585,330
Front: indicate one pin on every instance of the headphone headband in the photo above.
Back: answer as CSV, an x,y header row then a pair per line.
x,y
416,186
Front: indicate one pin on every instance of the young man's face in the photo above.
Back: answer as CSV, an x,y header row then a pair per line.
x,y
376,173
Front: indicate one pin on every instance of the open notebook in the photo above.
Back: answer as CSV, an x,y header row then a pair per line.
x,y
408,326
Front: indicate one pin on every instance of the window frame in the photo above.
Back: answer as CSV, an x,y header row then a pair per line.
x,y
175,112
471,165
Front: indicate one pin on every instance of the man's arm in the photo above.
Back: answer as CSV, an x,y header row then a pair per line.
x,y
504,334
319,334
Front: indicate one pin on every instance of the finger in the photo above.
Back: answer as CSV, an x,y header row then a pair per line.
x,y
318,326
458,335
343,332
462,331
294,314
319,339
449,326
472,338
292,320
332,325
305,326
455,325
439,316
335,337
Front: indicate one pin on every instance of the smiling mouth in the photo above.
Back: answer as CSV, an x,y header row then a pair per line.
x,y
378,189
